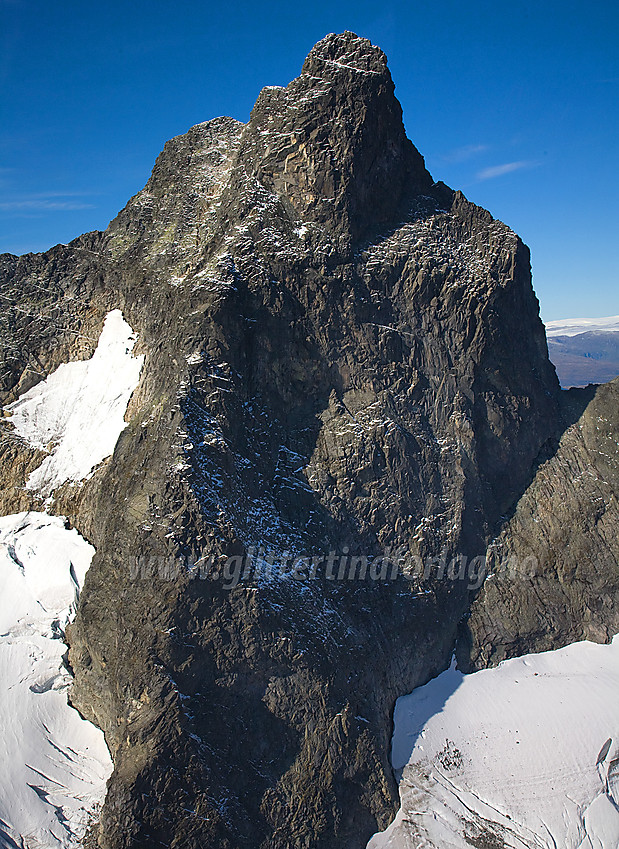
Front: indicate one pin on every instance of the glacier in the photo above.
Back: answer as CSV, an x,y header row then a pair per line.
x,y
55,764
522,756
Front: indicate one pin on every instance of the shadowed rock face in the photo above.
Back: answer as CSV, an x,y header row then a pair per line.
x,y
341,355
556,559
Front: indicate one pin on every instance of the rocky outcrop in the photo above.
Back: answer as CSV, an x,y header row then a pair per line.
x,y
329,367
554,567
354,172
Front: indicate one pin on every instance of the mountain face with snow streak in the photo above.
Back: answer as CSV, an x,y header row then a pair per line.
x,y
77,414
328,371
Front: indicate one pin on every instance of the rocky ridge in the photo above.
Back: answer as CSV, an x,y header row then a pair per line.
x,y
329,366
553,567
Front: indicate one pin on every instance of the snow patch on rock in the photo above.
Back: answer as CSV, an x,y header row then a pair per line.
x,y
77,413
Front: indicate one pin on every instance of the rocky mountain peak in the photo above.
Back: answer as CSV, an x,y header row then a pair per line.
x,y
341,359
345,51
332,143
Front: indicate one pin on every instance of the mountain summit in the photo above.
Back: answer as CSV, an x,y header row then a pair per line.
x,y
332,142
341,399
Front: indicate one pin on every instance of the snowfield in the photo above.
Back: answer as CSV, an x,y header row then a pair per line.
x,y
525,755
77,413
574,326
55,765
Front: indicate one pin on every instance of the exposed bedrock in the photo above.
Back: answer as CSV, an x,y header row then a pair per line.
x,y
340,355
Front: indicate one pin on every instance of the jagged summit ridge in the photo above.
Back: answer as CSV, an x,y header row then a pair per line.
x,y
347,51
328,150
332,143
327,154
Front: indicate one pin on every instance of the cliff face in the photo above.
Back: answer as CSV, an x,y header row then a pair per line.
x,y
340,356
555,562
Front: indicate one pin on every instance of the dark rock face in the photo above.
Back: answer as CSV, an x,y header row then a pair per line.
x,y
560,550
341,355
332,143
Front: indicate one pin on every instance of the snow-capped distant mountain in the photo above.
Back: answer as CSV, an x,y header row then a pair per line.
x,y
574,326
584,350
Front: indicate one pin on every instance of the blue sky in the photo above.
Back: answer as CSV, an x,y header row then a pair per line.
x,y
514,103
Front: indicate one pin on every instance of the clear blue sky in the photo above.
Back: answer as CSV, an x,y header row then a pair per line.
x,y
514,103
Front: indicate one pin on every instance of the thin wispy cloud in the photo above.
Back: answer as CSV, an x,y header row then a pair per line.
x,y
468,151
16,205
506,168
46,202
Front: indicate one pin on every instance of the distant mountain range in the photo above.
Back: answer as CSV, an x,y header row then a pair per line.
x,y
576,326
584,350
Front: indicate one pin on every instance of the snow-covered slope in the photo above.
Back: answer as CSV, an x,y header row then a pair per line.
x,y
574,326
77,413
525,755
54,764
